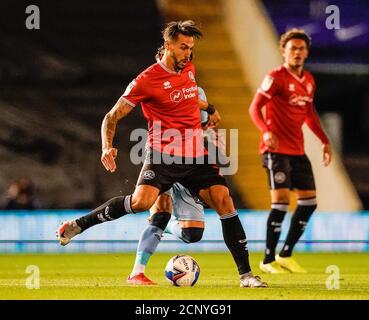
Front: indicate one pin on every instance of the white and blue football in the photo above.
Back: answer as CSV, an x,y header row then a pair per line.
x,y
182,271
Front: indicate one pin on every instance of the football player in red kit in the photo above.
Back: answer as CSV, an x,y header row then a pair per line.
x,y
287,94
168,94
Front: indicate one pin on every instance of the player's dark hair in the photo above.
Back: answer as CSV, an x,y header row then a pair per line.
x,y
187,28
294,34
160,52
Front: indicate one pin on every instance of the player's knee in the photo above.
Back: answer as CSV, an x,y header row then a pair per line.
x,y
223,203
160,219
162,204
191,235
114,208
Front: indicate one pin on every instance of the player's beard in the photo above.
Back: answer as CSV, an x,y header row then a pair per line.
x,y
179,64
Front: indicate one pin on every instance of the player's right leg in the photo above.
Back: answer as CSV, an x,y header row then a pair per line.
x,y
280,200
142,199
278,170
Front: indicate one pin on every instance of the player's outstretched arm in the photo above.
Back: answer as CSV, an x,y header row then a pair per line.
x,y
108,127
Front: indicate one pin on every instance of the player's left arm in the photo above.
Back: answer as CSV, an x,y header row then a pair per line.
x,y
214,116
312,121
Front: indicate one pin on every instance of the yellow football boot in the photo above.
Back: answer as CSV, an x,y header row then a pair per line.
x,y
290,264
272,267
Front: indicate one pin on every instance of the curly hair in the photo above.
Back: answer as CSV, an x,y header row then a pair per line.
x,y
294,34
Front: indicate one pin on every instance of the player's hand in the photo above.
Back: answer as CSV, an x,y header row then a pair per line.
x,y
108,158
327,154
214,120
270,140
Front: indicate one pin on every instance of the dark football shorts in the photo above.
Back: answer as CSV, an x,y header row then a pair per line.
x,y
192,176
288,171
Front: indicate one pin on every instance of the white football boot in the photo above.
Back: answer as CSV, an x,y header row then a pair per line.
x,y
247,280
67,231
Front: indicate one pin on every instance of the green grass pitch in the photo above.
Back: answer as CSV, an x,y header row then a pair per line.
x,y
102,276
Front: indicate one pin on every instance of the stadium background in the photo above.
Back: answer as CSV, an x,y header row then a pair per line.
x,y
58,82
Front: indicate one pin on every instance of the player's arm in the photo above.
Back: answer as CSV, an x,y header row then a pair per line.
x,y
268,88
312,121
259,101
108,127
214,116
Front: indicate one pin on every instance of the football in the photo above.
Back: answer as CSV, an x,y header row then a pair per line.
x,y
182,271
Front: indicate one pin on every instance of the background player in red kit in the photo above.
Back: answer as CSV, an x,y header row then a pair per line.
x,y
288,93
168,94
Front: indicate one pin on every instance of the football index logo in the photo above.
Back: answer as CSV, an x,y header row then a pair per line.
x,y
299,101
176,96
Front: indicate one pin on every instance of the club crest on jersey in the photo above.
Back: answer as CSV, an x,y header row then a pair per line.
x,y
176,96
167,85
280,177
309,88
191,76
267,83
291,87
148,175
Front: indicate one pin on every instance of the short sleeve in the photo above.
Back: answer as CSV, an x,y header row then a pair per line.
x,y
269,86
202,94
135,92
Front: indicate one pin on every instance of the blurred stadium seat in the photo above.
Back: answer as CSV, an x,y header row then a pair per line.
x,y
58,82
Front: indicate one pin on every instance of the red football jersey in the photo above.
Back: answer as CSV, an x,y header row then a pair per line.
x,y
289,103
169,102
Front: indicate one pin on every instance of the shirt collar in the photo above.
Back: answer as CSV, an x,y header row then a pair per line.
x,y
301,80
166,68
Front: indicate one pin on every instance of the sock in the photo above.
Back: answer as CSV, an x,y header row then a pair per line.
x,y
147,244
142,258
112,209
274,224
149,241
303,212
235,239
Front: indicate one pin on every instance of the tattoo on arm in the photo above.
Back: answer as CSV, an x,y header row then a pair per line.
x,y
109,124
